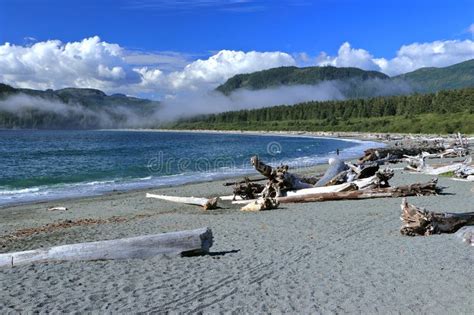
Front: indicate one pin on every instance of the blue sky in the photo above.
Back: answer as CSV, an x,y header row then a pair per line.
x,y
204,26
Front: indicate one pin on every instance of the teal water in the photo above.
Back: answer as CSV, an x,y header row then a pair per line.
x,y
45,165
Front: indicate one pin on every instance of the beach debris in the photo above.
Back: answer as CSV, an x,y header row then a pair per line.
x,y
356,172
261,204
466,234
191,242
418,189
207,204
336,167
395,154
419,147
58,209
279,179
418,221
247,190
459,170
245,180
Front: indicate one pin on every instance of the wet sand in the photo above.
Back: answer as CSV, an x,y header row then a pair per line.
x,y
327,257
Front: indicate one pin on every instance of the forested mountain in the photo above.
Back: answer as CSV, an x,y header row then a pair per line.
x,y
71,108
441,112
423,80
295,76
457,76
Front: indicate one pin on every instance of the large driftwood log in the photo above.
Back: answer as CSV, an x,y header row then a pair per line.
x,y
207,204
147,246
336,167
401,191
418,221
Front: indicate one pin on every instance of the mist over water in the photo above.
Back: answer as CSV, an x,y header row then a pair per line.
x,y
190,104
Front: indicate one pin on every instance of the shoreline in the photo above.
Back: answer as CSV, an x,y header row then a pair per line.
x,y
229,176
381,136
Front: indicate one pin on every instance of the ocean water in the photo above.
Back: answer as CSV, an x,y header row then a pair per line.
x,y
48,165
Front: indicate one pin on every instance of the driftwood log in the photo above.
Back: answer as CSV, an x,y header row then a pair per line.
x,y
418,221
207,204
245,180
461,169
247,190
176,243
419,189
466,234
261,204
336,167
396,153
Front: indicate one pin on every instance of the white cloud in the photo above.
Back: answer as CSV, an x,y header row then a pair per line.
x,y
408,57
223,65
349,57
52,64
470,29
94,63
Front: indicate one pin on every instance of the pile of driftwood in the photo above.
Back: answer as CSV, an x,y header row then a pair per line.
x,y
456,146
460,170
341,181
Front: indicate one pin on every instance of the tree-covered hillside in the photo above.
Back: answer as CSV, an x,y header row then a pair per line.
x,y
71,108
423,80
457,76
441,112
295,76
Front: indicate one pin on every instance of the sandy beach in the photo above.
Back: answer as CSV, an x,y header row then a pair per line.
x,y
326,257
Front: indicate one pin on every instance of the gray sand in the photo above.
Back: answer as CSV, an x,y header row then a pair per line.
x,y
328,257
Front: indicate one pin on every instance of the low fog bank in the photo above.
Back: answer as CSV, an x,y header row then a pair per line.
x,y
24,111
185,106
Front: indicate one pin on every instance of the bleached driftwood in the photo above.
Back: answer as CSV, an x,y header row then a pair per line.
x,y
207,204
146,246
57,209
419,165
261,204
418,221
361,184
466,234
306,191
401,191
336,167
